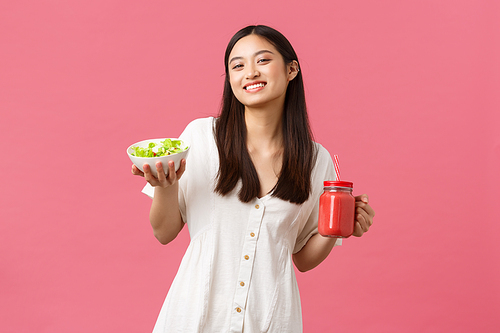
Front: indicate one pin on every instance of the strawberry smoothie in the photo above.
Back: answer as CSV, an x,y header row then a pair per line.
x,y
336,210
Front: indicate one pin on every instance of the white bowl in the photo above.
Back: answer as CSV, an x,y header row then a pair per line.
x,y
151,161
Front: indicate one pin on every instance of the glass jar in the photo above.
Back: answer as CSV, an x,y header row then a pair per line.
x,y
336,210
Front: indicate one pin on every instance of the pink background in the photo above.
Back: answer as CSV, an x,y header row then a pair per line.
x,y
405,92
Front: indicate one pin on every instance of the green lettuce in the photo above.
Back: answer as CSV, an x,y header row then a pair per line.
x,y
167,147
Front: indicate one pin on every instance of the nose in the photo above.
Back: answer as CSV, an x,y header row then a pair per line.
x,y
252,72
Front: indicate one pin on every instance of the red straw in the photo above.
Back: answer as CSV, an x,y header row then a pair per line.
x,y
336,164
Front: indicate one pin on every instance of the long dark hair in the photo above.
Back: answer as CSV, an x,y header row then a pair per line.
x,y
299,154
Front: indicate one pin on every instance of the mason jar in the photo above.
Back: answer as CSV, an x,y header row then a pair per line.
x,y
336,209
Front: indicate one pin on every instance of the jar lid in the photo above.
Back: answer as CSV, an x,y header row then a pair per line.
x,y
337,183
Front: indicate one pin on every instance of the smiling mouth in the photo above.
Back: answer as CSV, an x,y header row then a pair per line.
x,y
254,86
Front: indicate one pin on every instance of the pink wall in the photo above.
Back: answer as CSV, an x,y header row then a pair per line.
x,y
405,92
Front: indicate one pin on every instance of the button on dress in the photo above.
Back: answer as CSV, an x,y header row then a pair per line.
x,y
237,273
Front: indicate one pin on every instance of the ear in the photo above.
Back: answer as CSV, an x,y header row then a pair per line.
x,y
293,70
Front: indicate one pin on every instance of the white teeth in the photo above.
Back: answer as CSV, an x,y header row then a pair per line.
x,y
253,86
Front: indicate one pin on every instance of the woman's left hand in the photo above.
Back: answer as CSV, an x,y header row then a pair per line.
x,y
364,214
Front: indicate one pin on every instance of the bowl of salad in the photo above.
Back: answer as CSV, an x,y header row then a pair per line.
x,y
158,150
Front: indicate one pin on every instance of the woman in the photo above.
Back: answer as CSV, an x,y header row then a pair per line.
x,y
249,194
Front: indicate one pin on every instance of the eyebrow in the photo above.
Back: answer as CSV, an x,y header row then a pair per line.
x,y
255,54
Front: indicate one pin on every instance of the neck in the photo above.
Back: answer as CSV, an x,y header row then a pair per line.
x,y
264,129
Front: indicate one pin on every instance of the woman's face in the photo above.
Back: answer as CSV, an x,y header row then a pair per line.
x,y
258,74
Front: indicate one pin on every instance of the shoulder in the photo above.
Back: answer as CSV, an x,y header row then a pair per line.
x,y
198,129
201,124
198,135
323,168
323,155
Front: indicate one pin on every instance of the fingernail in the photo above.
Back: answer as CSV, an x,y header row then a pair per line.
x,y
365,199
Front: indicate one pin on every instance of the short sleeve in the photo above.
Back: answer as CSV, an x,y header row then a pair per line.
x,y
324,170
149,190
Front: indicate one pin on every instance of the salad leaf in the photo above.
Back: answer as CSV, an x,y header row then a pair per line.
x,y
167,147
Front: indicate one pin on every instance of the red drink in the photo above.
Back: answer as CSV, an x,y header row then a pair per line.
x,y
336,210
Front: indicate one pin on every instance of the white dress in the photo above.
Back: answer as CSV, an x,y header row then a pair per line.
x,y
237,273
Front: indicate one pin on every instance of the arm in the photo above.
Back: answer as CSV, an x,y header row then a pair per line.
x,y
313,253
164,216
318,247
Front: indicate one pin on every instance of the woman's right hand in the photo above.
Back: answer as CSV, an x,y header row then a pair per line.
x,y
163,180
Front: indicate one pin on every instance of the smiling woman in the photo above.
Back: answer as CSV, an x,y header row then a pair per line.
x,y
249,192
256,62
